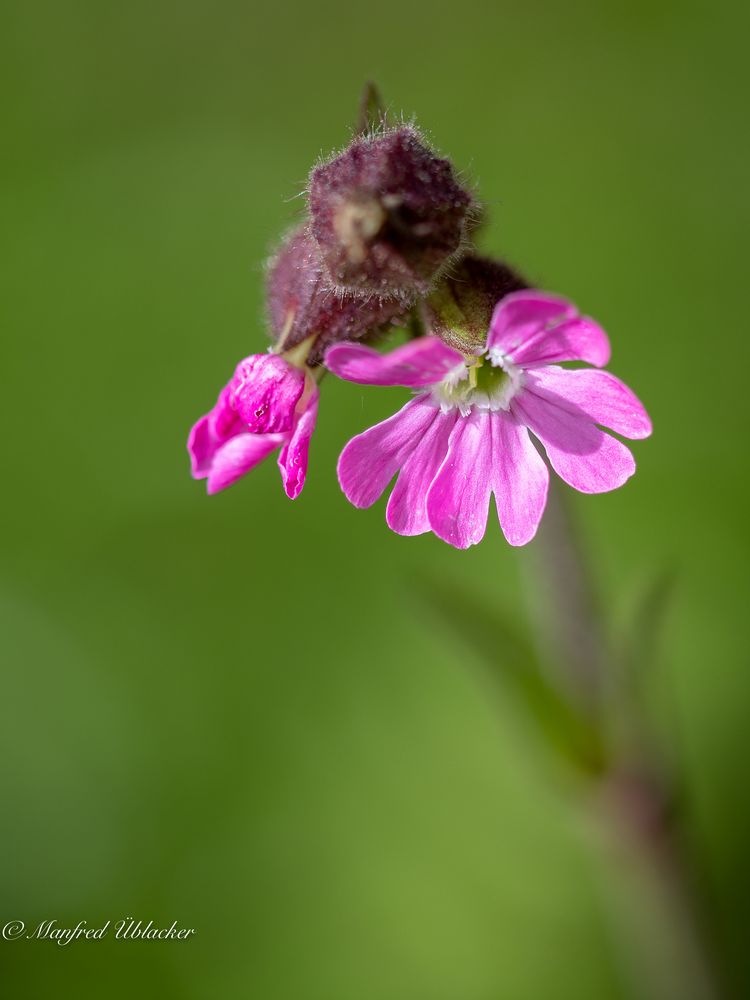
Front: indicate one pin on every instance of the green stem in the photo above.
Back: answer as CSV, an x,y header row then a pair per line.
x,y
657,888
563,601
636,795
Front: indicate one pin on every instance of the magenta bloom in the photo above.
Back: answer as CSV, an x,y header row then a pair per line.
x,y
466,434
268,404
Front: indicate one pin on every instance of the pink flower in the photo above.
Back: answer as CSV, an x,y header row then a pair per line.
x,y
466,434
268,404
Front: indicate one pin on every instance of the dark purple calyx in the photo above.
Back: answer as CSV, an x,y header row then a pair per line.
x,y
302,302
388,214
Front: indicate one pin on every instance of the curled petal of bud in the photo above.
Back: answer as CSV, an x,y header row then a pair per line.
x,y
266,389
223,446
293,456
213,430
222,449
237,457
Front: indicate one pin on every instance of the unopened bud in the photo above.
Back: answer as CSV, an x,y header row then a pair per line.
x,y
460,308
388,214
302,304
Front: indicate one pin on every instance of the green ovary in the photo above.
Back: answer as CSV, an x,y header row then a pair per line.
x,y
485,385
487,378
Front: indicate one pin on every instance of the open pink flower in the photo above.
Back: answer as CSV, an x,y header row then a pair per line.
x,y
268,404
466,434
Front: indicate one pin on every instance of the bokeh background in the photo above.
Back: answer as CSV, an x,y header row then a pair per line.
x,y
239,712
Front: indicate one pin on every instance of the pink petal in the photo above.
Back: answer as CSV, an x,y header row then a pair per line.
x,y
584,456
293,457
532,328
266,390
201,448
520,315
406,513
520,479
420,362
458,500
371,459
238,456
573,340
211,432
599,395
223,418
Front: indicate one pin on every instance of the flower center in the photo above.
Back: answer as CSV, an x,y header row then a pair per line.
x,y
488,382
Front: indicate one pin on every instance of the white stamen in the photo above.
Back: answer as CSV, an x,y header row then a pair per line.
x,y
459,389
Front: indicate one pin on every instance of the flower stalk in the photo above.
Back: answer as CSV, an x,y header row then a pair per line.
x,y
563,605
633,797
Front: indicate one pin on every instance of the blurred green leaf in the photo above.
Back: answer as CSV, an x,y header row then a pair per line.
x,y
511,658
643,630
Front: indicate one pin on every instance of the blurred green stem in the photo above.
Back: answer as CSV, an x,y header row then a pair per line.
x,y
563,602
669,958
636,792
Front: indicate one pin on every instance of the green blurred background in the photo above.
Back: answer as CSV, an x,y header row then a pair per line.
x,y
238,712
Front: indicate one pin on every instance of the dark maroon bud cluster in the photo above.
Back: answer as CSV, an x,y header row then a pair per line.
x,y
302,302
388,214
388,241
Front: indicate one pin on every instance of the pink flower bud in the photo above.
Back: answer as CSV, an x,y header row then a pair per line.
x,y
388,214
266,390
